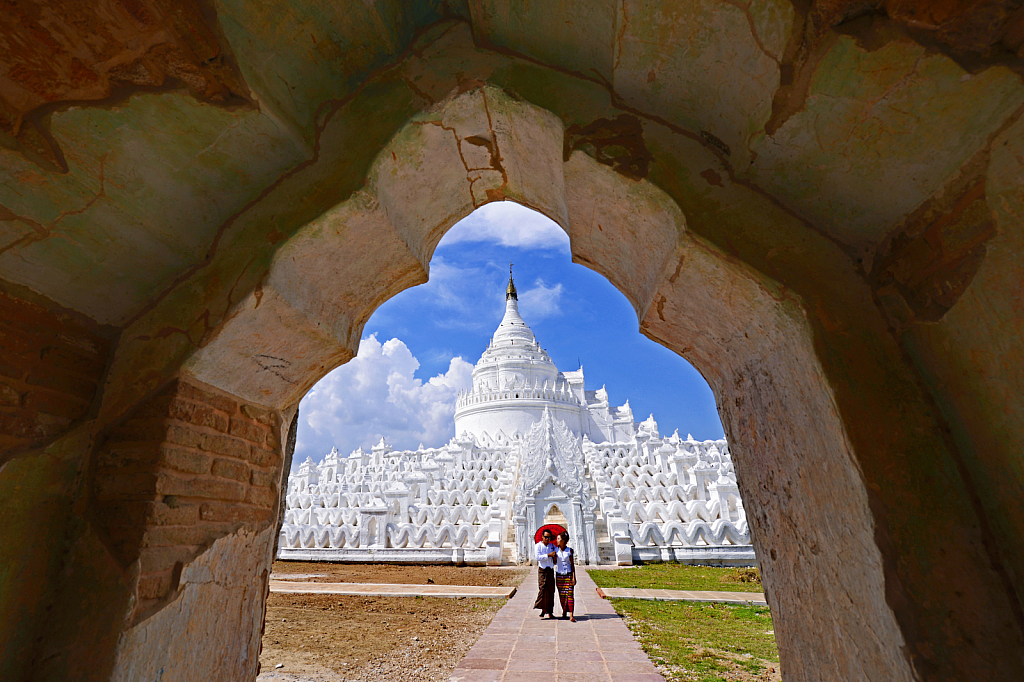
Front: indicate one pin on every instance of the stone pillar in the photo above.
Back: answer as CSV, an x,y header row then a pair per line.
x,y
702,474
574,520
430,470
618,530
495,529
663,457
682,466
593,555
642,449
397,493
373,526
50,368
417,481
169,575
532,524
522,542
721,490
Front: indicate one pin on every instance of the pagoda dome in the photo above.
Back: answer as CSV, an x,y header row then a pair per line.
x,y
512,327
514,381
513,356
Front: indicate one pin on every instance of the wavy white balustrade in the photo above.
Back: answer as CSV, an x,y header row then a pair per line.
x,y
335,516
450,514
689,534
321,517
672,493
447,535
305,501
318,537
674,511
457,497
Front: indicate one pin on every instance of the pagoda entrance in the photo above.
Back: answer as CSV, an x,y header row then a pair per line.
x,y
552,488
555,515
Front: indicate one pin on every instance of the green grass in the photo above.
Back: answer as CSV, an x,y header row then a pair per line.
x,y
704,642
670,576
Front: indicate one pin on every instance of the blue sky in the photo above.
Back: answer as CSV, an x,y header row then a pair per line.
x,y
418,349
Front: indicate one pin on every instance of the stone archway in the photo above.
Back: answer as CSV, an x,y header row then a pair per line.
x,y
554,514
748,336
863,510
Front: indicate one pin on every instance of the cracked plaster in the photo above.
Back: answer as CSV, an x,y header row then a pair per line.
x,y
702,67
575,34
296,56
744,356
892,124
149,164
433,172
874,148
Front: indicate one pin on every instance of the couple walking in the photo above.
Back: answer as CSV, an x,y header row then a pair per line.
x,y
555,569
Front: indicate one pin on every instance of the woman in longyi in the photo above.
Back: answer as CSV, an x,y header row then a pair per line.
x,y
565,574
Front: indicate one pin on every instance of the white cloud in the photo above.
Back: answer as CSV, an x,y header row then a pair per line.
x,y
509,224
377,394
449,283
541,301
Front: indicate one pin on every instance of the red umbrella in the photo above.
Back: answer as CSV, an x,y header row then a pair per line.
x,y
553,527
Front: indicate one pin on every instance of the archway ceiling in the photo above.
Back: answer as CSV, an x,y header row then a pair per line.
x,y
184,129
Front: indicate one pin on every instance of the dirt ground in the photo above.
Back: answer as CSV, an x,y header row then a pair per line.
x,y
398,574
329,638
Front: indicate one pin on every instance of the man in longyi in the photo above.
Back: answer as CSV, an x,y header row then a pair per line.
x,y
545,554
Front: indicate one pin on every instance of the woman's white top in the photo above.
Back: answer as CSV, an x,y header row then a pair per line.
x,y
563,560
543,560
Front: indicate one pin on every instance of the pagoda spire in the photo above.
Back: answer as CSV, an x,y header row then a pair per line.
x,y
510,290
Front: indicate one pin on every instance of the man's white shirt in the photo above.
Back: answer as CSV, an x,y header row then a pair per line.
x,y
543,560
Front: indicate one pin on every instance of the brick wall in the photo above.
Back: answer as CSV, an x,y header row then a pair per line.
x,y
50,369
189,466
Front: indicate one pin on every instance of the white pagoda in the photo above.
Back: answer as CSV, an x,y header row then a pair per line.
x,y
532,446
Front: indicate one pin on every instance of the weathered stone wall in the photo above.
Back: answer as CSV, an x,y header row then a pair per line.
x,y
51,365
125,543
754,346
188,467
794,460
809,376
50,368
37,494
212,629
970,356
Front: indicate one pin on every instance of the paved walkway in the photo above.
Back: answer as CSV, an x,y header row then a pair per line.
x,y
683,595
517,645
391,590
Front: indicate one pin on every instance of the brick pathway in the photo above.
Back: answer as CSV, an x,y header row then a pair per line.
x,y
683,595
517,645
390,589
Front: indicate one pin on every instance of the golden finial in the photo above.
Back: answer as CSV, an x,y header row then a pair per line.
x,y
510,290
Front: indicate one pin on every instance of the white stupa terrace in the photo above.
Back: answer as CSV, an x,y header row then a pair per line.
x,y
533,446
